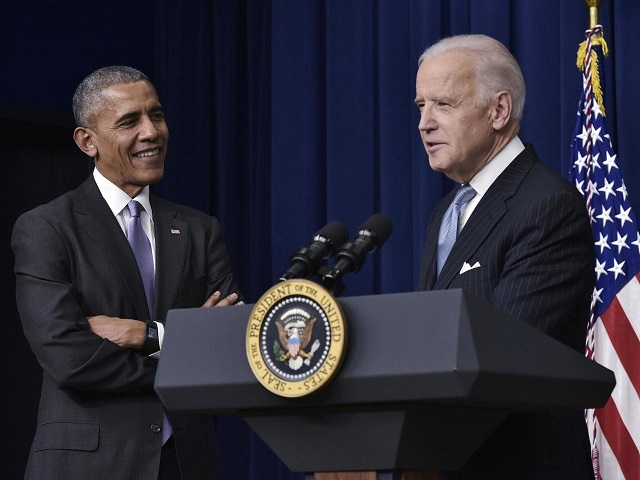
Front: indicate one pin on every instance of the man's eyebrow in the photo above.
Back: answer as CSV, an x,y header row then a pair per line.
x,y
128,116
137,114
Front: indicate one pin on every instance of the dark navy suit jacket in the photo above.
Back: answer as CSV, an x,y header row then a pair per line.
x,y
530,235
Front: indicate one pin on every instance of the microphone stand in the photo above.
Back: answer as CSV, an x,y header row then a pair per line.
x,y
335,285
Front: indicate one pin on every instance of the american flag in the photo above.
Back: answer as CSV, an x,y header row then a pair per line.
x,y
613,337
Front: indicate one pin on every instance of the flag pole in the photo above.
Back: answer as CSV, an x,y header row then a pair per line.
x,y
587,63
593,11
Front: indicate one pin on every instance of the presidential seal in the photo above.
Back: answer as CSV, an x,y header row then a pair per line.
x,y
296,338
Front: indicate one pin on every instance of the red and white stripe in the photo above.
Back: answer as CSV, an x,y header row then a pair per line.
x,y
616,426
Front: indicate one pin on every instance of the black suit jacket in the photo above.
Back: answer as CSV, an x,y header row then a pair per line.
x,y
530,235
98,412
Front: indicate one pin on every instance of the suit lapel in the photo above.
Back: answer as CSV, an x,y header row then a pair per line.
x,y
97,220
171,250
485,217
490,210
428,264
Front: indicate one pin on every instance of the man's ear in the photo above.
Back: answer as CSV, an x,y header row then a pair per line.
x,y
84,139
501,110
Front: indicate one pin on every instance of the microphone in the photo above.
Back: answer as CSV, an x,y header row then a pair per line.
x,y
306,261
350,258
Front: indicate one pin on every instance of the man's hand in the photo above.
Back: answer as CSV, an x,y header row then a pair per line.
x,y
126,332
215,301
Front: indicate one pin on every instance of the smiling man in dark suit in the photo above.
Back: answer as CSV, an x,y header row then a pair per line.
x,y
522,240
94,319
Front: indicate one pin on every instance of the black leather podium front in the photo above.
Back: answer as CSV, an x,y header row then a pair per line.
x,y
427,378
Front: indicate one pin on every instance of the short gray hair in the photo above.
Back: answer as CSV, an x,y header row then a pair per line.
x,y
88,95
495,67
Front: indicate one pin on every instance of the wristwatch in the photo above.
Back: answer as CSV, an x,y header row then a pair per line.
x,y
151,339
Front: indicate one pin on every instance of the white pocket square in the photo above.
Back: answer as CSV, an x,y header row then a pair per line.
x,y
466,267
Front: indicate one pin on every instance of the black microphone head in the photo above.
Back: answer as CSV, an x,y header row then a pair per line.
x,y
333,234
307,261
379,227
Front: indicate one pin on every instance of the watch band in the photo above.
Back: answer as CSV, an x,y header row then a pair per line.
x,y
151,339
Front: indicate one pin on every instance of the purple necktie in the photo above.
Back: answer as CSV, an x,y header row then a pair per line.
x,y
141,247
142,250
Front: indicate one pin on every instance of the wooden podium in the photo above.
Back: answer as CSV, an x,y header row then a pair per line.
x,y
427,377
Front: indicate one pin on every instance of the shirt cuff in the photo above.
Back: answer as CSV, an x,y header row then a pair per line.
x,y
156,355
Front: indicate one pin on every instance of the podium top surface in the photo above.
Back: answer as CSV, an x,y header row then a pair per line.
x,y
444,347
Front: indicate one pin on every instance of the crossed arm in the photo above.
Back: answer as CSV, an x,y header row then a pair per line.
x,y
129,333
53,298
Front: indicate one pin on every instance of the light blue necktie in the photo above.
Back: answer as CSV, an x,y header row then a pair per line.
x,y
451,222
141,247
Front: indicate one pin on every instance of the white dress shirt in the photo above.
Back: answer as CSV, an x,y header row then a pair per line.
x,y
489,173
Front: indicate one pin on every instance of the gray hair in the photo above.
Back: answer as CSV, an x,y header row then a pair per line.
x,y
495,67
88,96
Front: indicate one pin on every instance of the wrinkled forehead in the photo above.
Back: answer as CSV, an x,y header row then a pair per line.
x,y
456,65
135,93
452,72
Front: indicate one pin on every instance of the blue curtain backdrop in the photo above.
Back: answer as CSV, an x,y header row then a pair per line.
x,y
288,114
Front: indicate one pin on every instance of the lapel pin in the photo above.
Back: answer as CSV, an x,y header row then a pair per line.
x,y
175,231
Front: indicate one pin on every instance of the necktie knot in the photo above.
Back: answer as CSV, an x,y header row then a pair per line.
x,y
134,208
464,195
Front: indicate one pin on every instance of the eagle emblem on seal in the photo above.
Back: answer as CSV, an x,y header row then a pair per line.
x,y
295,330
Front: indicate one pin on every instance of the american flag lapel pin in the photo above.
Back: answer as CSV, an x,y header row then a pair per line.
x,y
175,231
